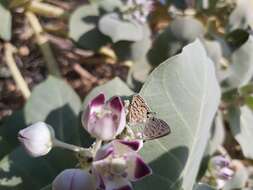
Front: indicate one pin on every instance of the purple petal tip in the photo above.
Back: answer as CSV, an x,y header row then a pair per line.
x,y
98,100
116,103
142,169
134,145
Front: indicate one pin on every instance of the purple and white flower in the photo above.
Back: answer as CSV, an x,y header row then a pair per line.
x,y
142,9
220,169
37,139
74,179
104,120
117,164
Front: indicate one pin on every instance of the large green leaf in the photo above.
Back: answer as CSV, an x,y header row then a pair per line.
x,y
18,171
240,122
117,29
54,102
184,92
8,132
5,20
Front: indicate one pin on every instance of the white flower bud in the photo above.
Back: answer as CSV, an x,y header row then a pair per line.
x,y
37,139
74,179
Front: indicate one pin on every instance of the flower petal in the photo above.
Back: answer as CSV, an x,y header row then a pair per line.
x,y
118,183
225,173
137,168
135,145
97,102
73,179
104,152
103,128
118,111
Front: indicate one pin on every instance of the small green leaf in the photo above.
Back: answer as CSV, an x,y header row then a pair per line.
x,y
83,28
240,123
179,33
242,68
120,30
185,93
5,20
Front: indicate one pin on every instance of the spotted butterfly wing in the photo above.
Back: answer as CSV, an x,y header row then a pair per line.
x,y
155,128
138,110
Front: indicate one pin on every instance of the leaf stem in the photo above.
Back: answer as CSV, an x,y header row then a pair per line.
x,y
44,44
10,61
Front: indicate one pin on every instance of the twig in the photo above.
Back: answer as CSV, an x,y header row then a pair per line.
x,y
46,9
44,44
84,73
9,51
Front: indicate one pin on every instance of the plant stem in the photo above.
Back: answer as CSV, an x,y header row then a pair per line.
x,y
96,146
71,147
46,9
43,43
9,51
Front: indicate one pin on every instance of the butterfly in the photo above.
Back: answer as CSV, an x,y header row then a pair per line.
x,y
145,125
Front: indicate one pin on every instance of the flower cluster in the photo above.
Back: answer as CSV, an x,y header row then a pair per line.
x,y
219,167
140,9
114,165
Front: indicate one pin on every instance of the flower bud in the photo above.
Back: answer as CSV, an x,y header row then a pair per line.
x,y
73,179
37,139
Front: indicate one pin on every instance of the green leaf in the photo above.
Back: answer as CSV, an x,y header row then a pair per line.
x,y
120,30
9,132
242,68
83,28
202,186
109,5
56,103
185,93
240,123
242,15
19,171
48,187
5,20
179,33
115,87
